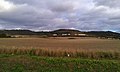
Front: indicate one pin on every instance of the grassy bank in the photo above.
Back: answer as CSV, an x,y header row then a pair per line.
x,y
27,63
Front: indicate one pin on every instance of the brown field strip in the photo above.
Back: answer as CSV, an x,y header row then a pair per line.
x,y
60,47
62,43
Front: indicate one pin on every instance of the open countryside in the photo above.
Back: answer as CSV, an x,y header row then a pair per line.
x,y
59,35
66,43
61,54
62,50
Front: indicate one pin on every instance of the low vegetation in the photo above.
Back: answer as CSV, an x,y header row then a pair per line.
x,y
4,36
26,63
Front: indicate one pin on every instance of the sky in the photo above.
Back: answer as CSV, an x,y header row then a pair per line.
x,y
56,14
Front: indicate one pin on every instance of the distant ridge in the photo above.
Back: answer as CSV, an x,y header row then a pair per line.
x,y
60,32
17,32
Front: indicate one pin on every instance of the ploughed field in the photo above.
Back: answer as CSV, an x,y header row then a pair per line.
x,y
74,47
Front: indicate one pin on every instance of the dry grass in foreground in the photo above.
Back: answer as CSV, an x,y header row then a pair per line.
x,y
62,47
63,53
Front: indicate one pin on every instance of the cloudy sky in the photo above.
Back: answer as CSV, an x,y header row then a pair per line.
x,y
56,14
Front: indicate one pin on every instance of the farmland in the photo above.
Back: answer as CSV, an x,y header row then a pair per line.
x,y
75,47
61,54
61,43
26,63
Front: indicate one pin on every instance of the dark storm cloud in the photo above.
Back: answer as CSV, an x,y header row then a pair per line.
x,y
54,14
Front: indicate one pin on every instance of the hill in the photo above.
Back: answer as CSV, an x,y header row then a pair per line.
x,y
64,33
105,34
17,32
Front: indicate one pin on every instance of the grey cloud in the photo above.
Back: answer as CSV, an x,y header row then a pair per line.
x,y
54,14
64,7
109,3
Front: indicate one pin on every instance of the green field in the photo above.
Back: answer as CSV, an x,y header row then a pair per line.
x,y
26,63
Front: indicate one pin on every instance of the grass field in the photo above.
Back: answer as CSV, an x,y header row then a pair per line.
x,y
60,47
26,63
59,55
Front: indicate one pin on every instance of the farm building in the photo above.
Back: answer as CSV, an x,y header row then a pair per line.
x,y
67,33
